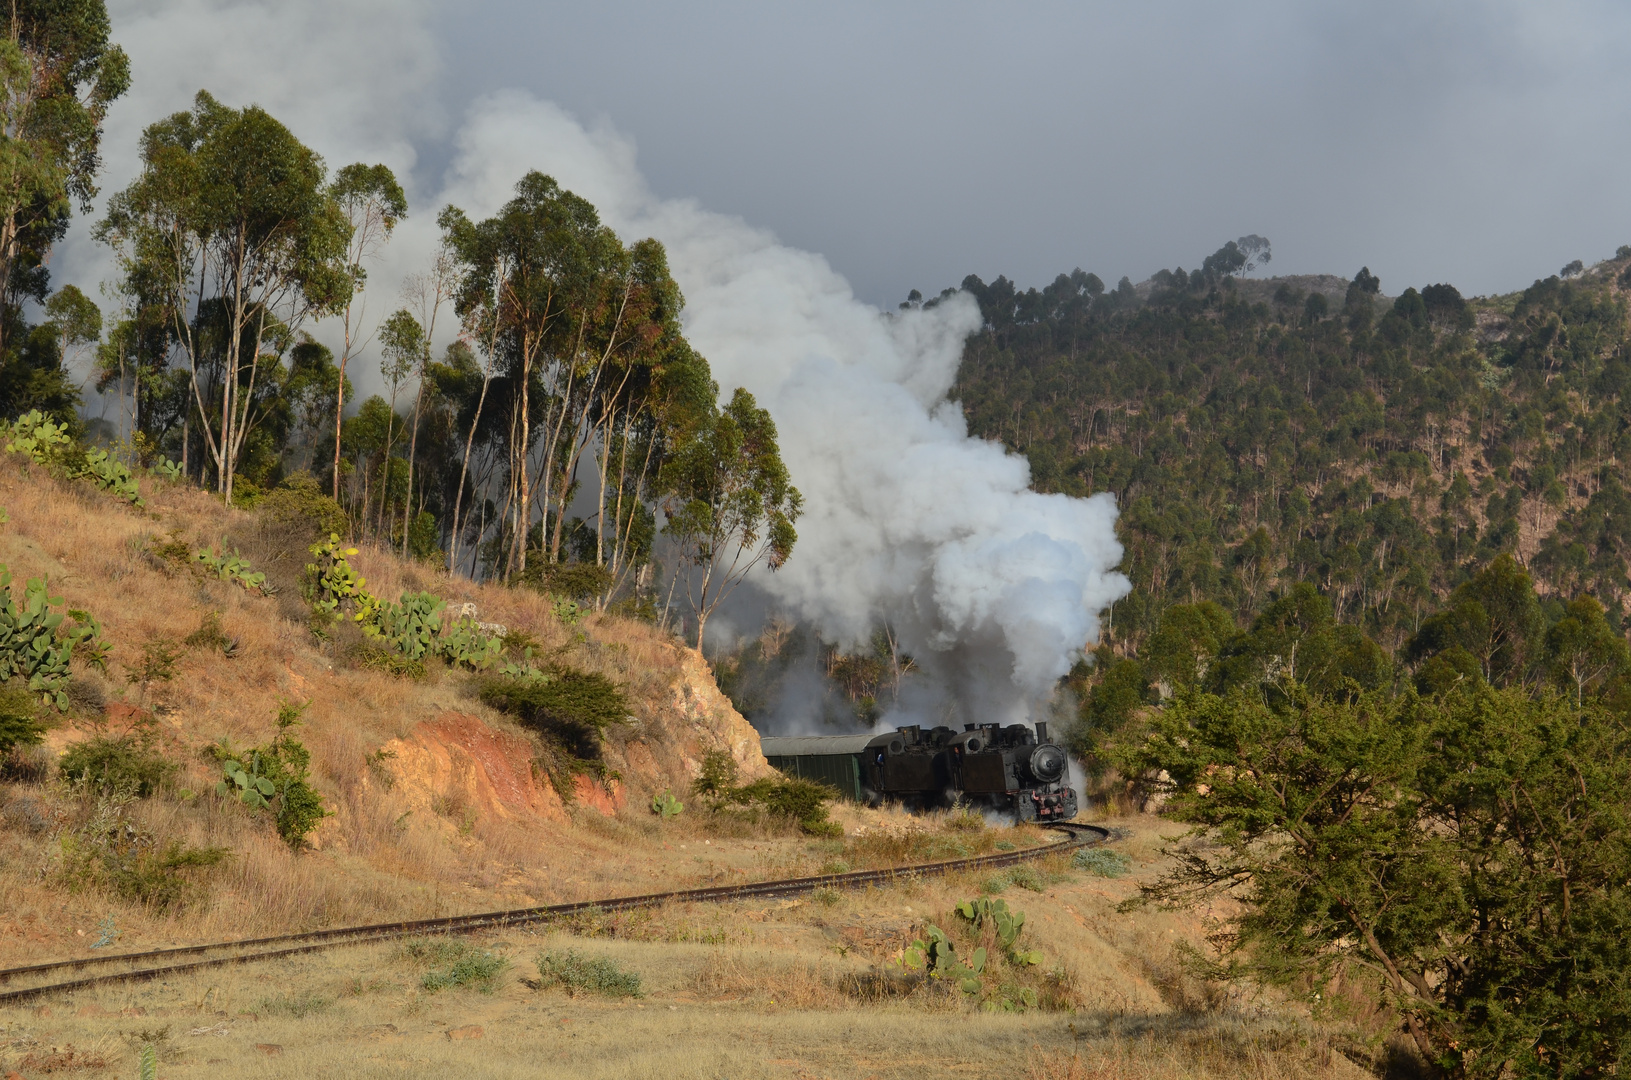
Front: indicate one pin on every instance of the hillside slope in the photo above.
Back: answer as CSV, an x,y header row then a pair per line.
x,y
438,802
1262,433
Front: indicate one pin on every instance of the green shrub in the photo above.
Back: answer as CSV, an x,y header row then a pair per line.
x,y
211,637
158,664
284,766
19,725
1026,877
170,555
113,854
1101,862
469,966
717,776
665,806
578,974
575,707
298,507
127,766
804,801
567,580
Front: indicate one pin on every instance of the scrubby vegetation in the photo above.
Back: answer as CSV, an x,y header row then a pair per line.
x,y
578,974
20,724
573,707
275,779
788,798
452,963
111,852
124,766
990,968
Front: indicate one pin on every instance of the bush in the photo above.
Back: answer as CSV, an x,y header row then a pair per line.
x,y
298,509
585,974
1101,862
804,801
283,765
19,725
469,966
127,766
575,707
567,580
717,776
115,855
372,657
210,637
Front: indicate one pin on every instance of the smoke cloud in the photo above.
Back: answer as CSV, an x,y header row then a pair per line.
x,y
994,588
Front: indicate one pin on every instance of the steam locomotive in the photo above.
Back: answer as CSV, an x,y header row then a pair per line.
x,y
1013,768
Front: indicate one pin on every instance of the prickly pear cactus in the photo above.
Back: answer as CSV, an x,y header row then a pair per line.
x,y
1006,923
411,626
29,642
246,785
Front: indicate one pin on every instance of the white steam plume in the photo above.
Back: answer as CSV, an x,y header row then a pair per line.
x,y
993,587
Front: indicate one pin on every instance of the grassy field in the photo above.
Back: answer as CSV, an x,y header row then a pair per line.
x,y
791,988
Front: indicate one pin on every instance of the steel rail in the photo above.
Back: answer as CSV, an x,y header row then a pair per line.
x,y
314,940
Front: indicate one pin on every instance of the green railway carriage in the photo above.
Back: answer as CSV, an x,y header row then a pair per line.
x,y
827,759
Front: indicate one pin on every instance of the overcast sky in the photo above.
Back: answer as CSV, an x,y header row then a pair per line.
x,y
912,143
1484,144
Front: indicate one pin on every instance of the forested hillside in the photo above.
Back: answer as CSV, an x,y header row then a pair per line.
x,y
1256,434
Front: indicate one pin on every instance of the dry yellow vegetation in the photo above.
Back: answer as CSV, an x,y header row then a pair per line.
x,y
794,989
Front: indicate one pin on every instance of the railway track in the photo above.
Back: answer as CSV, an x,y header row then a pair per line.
x,y
268,948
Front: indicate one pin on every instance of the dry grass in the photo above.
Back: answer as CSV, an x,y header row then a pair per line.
x,y
376,860
780,1001
797,988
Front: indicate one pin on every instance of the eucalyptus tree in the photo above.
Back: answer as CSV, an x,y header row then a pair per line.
x,y
572,321
74,319
730,502
372,202
235,238
402,353
58,74
529,273
427,292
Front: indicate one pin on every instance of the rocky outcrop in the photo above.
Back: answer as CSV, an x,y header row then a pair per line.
x,y
665,751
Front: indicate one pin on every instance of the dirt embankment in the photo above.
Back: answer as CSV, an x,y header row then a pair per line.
x,y
457,765
429,790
